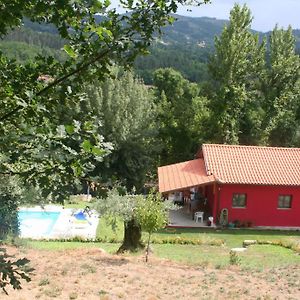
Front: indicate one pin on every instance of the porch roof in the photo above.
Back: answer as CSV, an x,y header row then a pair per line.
x,y
183,176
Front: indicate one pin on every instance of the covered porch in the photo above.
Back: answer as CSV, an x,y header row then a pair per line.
x,y
182,219
188,185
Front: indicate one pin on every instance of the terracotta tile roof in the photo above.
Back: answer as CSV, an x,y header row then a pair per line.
x,y
183,175
253,164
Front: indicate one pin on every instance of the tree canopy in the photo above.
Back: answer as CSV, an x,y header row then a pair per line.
x,y
256,97
179,108
127,110
42,138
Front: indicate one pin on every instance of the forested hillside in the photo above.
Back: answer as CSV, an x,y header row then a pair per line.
x,y
184,46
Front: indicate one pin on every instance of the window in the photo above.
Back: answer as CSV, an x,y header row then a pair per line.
x,y
239,200
284,201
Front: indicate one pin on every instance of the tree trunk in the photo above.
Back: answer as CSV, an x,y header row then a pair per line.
x,y
148,247
132,237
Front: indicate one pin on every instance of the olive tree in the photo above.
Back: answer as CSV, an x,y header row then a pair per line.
x,y
138,212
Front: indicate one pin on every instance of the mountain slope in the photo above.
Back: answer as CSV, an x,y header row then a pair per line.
x,y
184,45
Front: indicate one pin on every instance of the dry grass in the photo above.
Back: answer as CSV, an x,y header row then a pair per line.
x,y
94,274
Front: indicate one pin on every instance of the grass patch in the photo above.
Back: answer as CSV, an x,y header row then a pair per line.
x,y
192,255
255,258
87,268
53,292
44,281
268,256
77,204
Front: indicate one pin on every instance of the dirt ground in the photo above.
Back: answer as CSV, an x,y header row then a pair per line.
x,y
93,274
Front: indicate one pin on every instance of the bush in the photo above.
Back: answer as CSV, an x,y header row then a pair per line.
x,y
188,241
288,244
234,259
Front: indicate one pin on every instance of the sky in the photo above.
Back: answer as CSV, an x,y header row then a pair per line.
x,y
266,13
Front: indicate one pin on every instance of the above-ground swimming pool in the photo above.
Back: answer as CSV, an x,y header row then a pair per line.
x,y
56,222
37,223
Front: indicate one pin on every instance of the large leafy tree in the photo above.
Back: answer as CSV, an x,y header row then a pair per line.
x,y
42,139
178,108
137,212
126,107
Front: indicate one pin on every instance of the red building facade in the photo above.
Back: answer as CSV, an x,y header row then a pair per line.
x,y
257,186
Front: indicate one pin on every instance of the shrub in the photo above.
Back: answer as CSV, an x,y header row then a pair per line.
x,y
289,244
188,241
234,259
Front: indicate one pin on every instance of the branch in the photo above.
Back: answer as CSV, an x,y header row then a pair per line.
x,y
80,68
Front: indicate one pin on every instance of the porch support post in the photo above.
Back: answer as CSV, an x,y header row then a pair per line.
x,y
215,203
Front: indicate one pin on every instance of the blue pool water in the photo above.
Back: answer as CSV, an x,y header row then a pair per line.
x,y
37,223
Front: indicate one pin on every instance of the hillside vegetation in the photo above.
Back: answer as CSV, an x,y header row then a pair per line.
x,y
184,46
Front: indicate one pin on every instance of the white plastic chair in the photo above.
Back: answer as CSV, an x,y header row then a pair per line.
x,y
198,216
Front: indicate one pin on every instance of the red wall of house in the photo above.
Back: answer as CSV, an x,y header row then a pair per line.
x,y
209,194
262,203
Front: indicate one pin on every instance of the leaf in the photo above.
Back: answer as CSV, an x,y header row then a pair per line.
x,y
69,129
77,125
98,151
107,3
22,103
86,146
29,94
69,50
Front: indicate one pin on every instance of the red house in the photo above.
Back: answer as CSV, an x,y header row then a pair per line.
x,y
250,184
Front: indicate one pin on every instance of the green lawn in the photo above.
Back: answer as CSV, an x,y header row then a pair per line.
x,y
256,257
231,237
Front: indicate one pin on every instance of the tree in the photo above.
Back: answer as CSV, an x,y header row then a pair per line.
x,y
138,213
177,103
122,206
236,69
34,106
152,214
9,201
257,87
126,107
281,91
